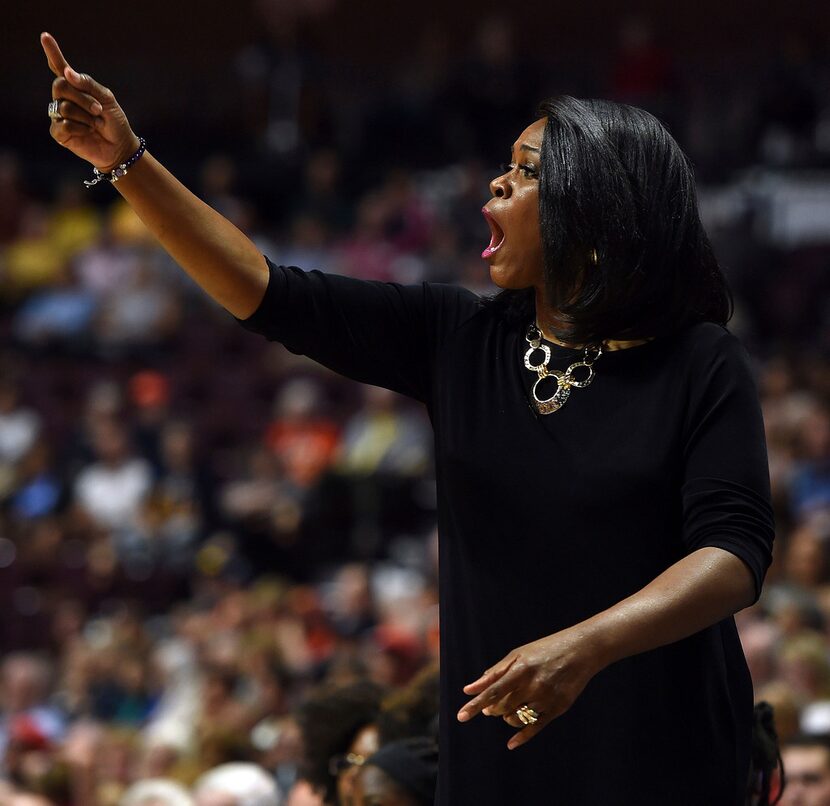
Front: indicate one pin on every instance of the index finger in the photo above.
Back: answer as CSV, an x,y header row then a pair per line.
x,y
491,694
57,63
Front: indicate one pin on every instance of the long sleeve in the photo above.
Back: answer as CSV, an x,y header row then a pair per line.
x,y
385,334
726,488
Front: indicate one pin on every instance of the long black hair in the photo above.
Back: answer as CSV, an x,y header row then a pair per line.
x,y
612,179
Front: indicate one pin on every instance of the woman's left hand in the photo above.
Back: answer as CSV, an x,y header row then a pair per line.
x,y
547,675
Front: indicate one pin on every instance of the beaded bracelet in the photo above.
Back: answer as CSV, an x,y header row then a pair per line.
x,y
116,173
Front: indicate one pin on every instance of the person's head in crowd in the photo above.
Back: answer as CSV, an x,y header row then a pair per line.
x,y
401,773
25,681
814,434
807,770
339,733
785,704
149,389
236,784
156,792
805,666
221,744
794,610
298,399
178,445
759,639
399,655
111,442
104,401
9,395
805,558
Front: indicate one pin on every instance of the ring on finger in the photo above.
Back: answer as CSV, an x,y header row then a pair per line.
x,y
54,106
527,715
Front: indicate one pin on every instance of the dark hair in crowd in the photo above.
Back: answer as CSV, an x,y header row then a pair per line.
x,y
766,756
413,709
613,179
329,721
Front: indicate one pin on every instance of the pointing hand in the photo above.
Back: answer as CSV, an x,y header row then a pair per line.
x,y
91,125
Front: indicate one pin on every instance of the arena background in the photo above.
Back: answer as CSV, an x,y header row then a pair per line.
x,y
197,528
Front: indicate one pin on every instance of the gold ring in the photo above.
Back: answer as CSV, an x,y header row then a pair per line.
x,y
527,716
53,109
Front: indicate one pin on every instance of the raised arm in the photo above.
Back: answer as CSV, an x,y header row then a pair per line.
x,y
215,253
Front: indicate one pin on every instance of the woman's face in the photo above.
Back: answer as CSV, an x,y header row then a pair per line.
x,y
364,744
515,250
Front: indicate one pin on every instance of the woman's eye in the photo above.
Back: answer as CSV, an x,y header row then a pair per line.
x,y
527,170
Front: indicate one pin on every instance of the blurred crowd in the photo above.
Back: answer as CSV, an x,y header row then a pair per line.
x,y
218,565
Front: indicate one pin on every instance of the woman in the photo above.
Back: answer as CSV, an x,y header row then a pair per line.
x,y
604,508
401,773
339,731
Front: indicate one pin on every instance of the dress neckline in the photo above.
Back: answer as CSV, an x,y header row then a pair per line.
x,y
571,352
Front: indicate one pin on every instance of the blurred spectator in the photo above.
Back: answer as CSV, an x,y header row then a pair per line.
x,y
111,490
384,437
805,666
74,223
142,312
266,510
308,247
339,734
33,260
38,487
807,768
156,792
19,425
810,484
149,394
108,263
367,252
401,773
374,484
181,504
300,434
27,717
236,785
322,199
60,313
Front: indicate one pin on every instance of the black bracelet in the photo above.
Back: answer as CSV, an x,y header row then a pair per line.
x,y
116,173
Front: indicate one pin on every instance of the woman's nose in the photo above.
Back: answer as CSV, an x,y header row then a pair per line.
x,y
500,187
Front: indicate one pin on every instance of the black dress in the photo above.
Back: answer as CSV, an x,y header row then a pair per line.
x,y
545,521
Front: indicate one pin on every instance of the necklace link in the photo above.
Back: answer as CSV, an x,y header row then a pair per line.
x,y
564,380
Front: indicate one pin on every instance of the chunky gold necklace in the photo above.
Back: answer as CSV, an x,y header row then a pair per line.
x,y
564,380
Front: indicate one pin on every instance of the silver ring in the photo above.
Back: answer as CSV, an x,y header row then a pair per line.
x,y
527,716
53,109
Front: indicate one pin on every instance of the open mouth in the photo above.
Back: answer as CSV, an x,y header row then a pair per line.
x,y
496,234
